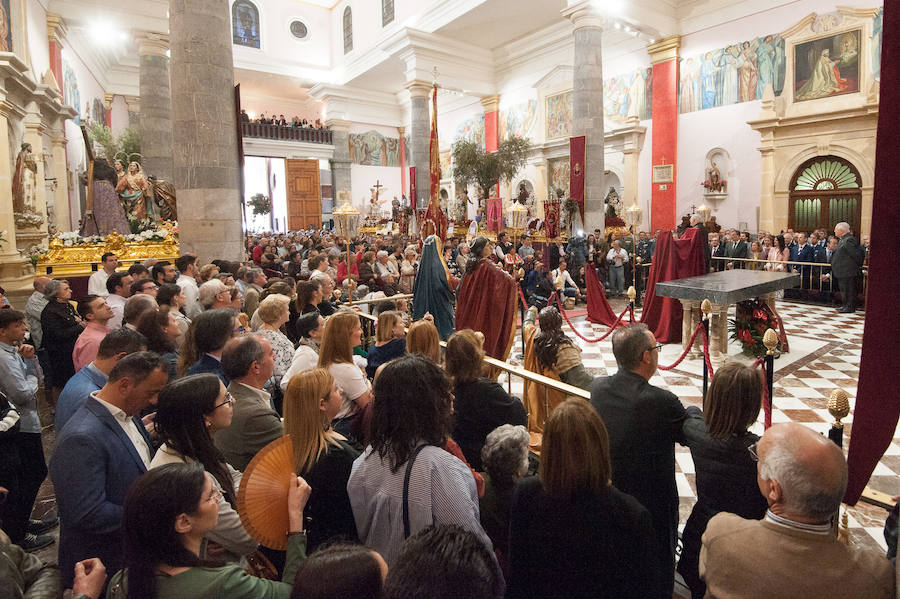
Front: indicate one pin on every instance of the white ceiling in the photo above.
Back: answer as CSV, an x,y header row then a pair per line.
x,y
498,22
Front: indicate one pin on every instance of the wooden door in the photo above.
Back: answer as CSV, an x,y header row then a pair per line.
x,y
304,195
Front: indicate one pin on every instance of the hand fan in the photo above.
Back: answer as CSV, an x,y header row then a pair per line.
x,y
262,495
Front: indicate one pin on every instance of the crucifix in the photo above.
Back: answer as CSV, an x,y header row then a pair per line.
x,y
377,187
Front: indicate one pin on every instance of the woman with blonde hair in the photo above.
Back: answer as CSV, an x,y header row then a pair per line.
x,y
573,534
422,338
481,405
408,270
274,311
311,401
390,341
343,332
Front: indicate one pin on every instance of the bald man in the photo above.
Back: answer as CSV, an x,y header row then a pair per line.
x,y
793,551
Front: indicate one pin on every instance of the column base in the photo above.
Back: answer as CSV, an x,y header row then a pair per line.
x,y
17,278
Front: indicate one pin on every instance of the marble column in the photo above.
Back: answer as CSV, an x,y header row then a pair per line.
x,y
156,100
204,142
61,192
404,168
34,135
587,105
7,221
107,103
340,161
134,110
419,131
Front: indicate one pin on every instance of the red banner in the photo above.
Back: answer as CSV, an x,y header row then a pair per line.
x,y
412,188
435,220
551,219
576,172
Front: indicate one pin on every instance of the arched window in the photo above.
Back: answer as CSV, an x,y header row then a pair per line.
x,y
824,191
348,30
387,12
245,24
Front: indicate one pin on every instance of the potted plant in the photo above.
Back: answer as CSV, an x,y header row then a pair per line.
x,y
261,204
472,164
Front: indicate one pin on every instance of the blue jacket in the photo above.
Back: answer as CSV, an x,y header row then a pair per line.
x,y
76,392
93,464
209,364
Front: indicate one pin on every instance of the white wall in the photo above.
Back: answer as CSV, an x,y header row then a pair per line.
x,y
118,115
38,44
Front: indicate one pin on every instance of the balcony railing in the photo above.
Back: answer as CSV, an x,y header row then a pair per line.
x,y
284,133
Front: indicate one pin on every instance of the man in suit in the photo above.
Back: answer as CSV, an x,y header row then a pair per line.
x,y
716,250
845,264
737,248
100,452
249,362
793,551
212,330
644,423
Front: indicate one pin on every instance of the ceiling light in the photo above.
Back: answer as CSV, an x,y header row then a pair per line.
x,y
617,25
627,29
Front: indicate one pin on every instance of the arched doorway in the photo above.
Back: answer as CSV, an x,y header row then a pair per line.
x,y
824,191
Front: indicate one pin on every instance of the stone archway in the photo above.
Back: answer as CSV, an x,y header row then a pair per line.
x,y
824,191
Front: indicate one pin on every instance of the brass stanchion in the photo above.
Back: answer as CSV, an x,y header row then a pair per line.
x,y
839,407
770,340
705,309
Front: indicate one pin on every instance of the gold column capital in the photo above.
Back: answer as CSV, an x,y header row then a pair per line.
x,y
151,43
418,88
665,49
108,100
491,103
56,27
401,131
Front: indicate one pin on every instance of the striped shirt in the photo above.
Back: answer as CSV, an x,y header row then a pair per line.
x,y
441,491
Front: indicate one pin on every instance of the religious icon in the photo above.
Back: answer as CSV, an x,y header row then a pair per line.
x,y
827,66
24,180
245,24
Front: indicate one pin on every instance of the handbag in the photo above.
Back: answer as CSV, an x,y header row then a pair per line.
x,y
9,417
409,465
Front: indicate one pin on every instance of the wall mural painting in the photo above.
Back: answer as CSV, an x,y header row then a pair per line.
x,y
517,120
737,73
98,111
5,28
826,67
374,149
445,164
245,24
559,174
559,115
876,44
628,95
471,129
71,93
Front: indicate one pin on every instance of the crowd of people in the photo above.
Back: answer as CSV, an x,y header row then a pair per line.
x,y
296,121
415,473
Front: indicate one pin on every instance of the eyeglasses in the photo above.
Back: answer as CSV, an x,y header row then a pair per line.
x,y
239,330
215,496
753,451
228,400
149,288
657,347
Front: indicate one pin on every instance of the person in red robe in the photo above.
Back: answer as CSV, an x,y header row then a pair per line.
x,y
486,301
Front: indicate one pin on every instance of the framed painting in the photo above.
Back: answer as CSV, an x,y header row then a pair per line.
x,y
245,24
826,67
663,173
559,115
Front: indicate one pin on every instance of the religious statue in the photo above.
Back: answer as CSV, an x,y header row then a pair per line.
x,y
714,181
24,182
134,189
164,198
613,203
105,213
120,169
395,210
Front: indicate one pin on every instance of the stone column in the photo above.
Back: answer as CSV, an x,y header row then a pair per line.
x,y
587,105
156,99
107,103
420,124
61,193
7,222
204,124
34,135
134,110
404,172
340,161
691,309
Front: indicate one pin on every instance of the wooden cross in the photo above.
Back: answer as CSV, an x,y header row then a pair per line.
x,y
377,187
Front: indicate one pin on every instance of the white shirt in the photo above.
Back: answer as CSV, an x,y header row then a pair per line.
x,y
191,293
617,258
566,277
117,303
97,283
128,425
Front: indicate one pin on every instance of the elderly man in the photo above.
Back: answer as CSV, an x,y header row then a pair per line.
x,y
33,308
793,551
255,280
644,423
214,294
249,362
383,266
845,264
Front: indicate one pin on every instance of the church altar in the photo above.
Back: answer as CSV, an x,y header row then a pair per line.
x,y
80,259
722,289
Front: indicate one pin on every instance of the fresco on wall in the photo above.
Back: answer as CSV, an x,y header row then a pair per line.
x,y
559,115
876,44
737,73
445,164
826,67
5,29
471,130
71,94
374,149
98,111
518,119
559,174
628,95
245,24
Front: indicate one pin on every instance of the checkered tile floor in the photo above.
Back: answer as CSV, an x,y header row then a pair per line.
x,y
825,354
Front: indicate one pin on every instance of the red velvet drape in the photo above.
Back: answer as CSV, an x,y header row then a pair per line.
x,y
673,259
598,309
877,405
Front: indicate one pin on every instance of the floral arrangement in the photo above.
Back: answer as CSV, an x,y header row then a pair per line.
x,y
138,225
752,319
34,254
70,238
260,204
28,219
709,186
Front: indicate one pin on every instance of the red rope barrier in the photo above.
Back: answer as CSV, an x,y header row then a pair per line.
x,y
706,357
522,297
582,337
767,401
684,354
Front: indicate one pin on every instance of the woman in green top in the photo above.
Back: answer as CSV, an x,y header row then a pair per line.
x,y
167,512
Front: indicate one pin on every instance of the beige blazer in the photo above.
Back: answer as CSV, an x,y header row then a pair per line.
x,y
254,425
759,558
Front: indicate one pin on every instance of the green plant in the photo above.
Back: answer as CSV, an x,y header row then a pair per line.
x,y
472,164
127,144
102,135
130,141
260,204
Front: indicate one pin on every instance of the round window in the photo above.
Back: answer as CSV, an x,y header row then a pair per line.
x,y
299,30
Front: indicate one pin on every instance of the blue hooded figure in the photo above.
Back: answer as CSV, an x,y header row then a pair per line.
x,y
431,290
